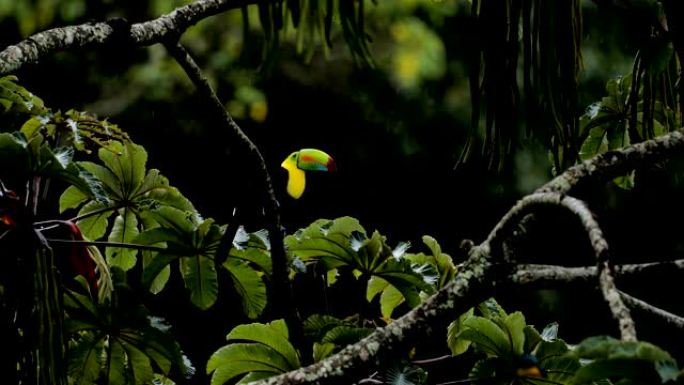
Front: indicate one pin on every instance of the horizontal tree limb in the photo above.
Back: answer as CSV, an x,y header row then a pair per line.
x,y
553,275
42,44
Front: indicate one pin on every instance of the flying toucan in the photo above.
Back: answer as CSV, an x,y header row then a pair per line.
x,y
307,159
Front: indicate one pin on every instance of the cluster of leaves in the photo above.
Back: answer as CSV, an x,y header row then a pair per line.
x,y
332,248
517,353
117,341
343,246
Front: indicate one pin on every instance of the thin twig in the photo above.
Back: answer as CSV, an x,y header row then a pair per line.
x,y
282,295
432,360
106,244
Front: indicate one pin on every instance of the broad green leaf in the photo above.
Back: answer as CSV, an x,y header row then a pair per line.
x,y
322,350
201,279
345,335
241,358
258,257
31,126
109,181
71,198
249,286
94,226
84,359
376,285
125,230
456,344
317,325
514,324
254,376
273,335
389,300
557,365
127,163
632,361
491,309
532,338
159,282
487,336
138,366
115,364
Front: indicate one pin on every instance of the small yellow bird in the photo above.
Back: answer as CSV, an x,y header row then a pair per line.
x,y
307,159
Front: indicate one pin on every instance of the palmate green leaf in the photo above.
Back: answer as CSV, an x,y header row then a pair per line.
x,y
317,325
237,359
259,257
376,285
109,181
71,198
95,226
117,342
125,230
344,335
17,98
456,344
249,286
487,336
322,350
389,300
127,163
201,279
333,250
558,366
274,335
84,359
514,325
632,361
491,309
115,365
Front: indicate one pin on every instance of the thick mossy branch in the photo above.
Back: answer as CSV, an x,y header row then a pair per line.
x,y
385,345
150,32
609,165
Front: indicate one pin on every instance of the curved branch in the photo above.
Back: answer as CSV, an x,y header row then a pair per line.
x,y
606,280
598,243
35,47
615,163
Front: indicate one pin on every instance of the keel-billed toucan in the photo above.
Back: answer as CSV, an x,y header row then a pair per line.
x,y
307,159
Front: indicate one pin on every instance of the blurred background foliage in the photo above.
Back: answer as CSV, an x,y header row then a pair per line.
x,y
396,126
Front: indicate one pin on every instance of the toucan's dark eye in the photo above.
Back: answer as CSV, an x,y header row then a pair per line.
x,y
294,156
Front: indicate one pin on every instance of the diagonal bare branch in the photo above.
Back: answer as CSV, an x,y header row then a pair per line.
x,y
670,318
